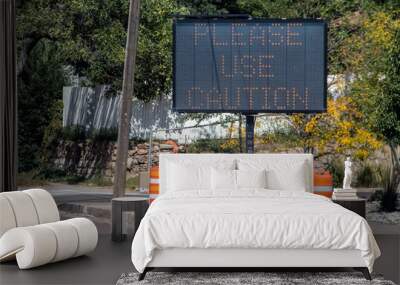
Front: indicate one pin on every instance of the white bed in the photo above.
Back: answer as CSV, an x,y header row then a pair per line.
x,y
249,227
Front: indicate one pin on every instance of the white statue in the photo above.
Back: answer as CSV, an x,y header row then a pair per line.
x,y
348,174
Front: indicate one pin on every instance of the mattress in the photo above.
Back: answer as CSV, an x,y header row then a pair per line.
x,y
250,219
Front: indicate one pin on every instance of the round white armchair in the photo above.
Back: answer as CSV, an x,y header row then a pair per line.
x,y
31,230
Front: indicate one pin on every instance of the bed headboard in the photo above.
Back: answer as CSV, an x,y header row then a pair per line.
x,y
200,159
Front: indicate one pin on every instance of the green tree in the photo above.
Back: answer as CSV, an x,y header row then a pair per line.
x,y
57,37
39,87
91,36
377,85
386,115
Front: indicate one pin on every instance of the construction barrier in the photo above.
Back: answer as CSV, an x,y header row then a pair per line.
x,y
154,185
323,183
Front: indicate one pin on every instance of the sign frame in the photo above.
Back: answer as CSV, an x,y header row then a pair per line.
x,y
253,20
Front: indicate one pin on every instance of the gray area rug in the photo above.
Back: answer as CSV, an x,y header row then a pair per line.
x,y
236,278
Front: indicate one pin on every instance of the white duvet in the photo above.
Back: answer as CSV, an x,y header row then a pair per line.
x,y
250,219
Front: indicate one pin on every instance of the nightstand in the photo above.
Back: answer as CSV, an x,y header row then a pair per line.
x,y
119,205
357,205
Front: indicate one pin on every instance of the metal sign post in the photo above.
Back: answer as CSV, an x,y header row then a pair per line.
x,y
250,121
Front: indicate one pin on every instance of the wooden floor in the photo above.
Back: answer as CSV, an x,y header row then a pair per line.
x,y
103,266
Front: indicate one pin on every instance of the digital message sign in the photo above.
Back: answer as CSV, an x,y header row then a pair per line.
x,y
249,66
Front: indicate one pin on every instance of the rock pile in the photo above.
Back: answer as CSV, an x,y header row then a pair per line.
x,y
88,159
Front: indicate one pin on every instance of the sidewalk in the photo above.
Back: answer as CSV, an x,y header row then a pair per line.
x,y
64,193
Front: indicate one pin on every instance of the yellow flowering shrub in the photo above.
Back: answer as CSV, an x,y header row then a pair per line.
x,y
338,131
230,144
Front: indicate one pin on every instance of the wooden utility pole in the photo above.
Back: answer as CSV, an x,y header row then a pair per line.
x,y
127,96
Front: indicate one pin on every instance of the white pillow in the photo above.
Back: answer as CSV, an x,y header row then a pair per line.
x,y
179,173
223,179
188,177
282,174
294,180
251,178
